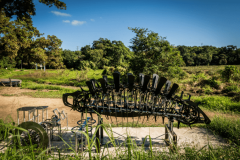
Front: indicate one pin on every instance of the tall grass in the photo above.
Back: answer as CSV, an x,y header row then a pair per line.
x,y
129,150
56,77
218,103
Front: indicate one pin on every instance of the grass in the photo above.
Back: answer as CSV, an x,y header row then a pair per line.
x,y
218,103
56,77
227,128
8,94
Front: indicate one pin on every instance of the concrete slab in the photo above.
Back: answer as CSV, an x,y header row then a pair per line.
x,y
195,137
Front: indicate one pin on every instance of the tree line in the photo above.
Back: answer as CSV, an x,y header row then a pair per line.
x,y
210,55
149,53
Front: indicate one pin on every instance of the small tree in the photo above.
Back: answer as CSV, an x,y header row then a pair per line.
x,y
153,54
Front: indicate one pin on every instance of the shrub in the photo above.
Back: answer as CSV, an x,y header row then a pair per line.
x,y
176,72
198,77
211,73
108,70
236,77
229,73
3,72
214,83
121,70
231,88
207,90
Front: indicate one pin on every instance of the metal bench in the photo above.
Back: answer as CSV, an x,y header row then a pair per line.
x,y
11,82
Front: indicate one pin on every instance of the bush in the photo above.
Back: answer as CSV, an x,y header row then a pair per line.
x,y
3,72
108,70
176,72
211,73
214,83
6,62
207,90
199,77
231,88
229,73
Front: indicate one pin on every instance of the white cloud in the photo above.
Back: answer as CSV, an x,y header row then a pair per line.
x,y
75,22
92,20
61,14
67,21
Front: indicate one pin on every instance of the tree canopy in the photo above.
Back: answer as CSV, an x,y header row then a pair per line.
x,y
24,9
18,43
152,53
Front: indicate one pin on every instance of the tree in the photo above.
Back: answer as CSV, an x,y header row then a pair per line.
x,y
116,52
17,34
152,54
106,53
222,59
18,43
69,58
24,9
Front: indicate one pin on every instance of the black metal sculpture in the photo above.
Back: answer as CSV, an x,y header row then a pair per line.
x,y
132,100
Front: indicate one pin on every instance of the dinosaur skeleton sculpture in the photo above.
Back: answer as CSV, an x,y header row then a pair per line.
x,y
131,100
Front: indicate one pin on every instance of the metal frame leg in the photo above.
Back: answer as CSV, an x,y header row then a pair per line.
x,y
49,139
101,130
98,138
18,117
81,135
76,143
169,130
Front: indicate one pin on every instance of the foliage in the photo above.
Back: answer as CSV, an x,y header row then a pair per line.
x,y
210,55
108,70
226,128
103,52
214,83
218,103
175,72
152,54
231,88
207,90
6,62
18,43
26,9
198,77
229,72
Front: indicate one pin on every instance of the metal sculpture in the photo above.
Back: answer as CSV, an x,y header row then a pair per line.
x,y
132,100
137,100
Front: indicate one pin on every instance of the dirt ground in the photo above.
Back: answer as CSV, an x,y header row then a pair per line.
x,y
10,104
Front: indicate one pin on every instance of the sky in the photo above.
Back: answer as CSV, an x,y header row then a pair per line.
x,y
182,22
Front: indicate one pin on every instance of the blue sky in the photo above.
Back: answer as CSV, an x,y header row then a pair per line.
x,y
182,22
